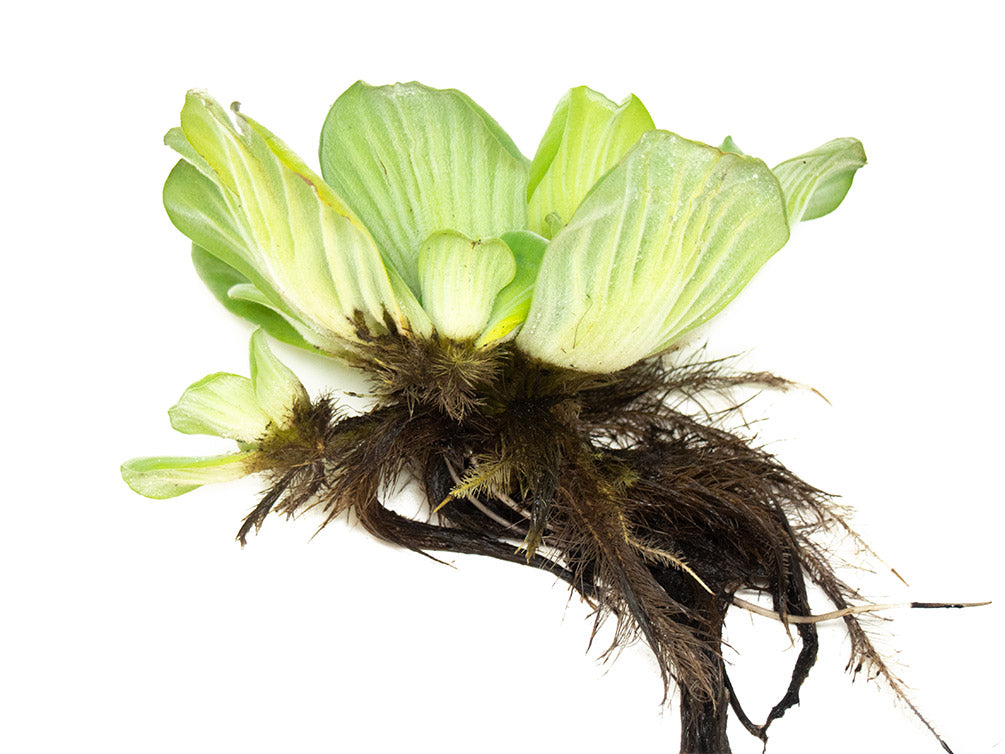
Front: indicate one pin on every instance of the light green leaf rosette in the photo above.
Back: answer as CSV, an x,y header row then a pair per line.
x,y
662,243
815,183
250,411
587,136
431,220
413,161
242,196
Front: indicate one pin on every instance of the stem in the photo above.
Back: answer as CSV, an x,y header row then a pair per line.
x,y
703,721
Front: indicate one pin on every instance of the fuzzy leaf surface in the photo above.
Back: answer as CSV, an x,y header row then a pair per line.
x,y
728,145
277,389
460,278
252,203
254,306
816,182
223,405
513,302
412,160
170,476
662,243
587,136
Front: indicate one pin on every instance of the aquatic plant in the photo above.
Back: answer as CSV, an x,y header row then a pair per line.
x,y
519,322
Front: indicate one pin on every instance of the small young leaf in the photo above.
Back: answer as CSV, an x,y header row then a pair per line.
x,y
164,477
513,302
220,404
587,136
460,279
816,182
277,389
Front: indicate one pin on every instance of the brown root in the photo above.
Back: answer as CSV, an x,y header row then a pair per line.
x,y
656,516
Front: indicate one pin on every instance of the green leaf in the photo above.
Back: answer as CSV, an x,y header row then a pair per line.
x,y
513,302
175,138
587,136
277,389
220,404
663,242
198,208
412,160
728,145
221,279
460,279
164,477
816,182
264,213
246,293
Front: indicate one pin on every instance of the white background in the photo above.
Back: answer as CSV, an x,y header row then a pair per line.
x,y
131,625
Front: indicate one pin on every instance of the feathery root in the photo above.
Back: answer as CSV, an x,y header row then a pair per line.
x,y
655,516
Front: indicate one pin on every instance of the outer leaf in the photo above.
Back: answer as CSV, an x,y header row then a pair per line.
x,y
165,477
222,279
247,293
587,136
460,279
175,138
662,243
412,160
400,303
513,302
265,214
277,389
201,209
816,182
220,404
198,207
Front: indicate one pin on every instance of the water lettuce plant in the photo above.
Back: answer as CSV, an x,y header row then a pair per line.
x,y
518,322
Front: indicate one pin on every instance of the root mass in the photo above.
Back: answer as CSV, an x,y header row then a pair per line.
x,y
655,515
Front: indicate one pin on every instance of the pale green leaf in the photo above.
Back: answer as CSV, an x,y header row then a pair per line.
x,y
277,389
412,160
816,182
400,304
222,280
220,404
587,136
248,294
663,242
513,302
279,225
200,209
728,145
460,279
164,477
175,138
